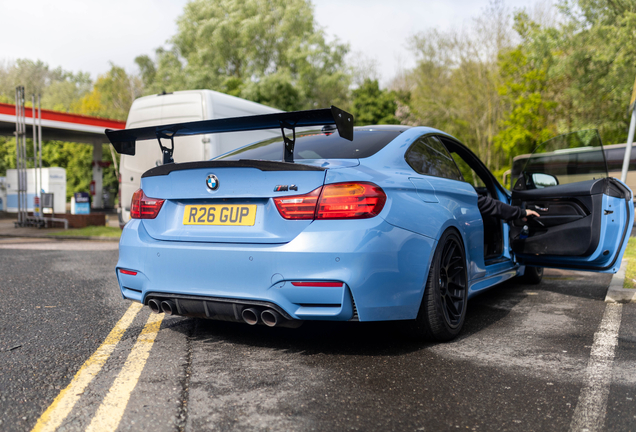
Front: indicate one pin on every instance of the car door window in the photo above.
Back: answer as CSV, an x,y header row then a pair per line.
x,y
429,156
469,174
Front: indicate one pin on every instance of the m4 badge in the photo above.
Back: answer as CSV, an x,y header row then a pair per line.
x,y
285,188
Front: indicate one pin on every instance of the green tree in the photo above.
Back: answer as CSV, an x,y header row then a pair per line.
x,y
597,58
269,51
529,119
75,158
371,105
454,85
7,154
112,95
577,74
60,89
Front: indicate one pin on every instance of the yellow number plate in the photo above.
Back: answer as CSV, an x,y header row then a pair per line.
x,y
243,215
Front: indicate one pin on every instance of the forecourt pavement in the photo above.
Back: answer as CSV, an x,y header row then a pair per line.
x,y
75,357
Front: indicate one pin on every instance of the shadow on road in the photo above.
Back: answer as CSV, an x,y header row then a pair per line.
x,y
391,338
340,338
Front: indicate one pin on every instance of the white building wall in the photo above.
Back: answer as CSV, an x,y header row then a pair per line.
x,y
53,181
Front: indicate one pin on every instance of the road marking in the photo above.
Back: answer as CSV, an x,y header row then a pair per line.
x,y
64,402
589,414
112,409
63,245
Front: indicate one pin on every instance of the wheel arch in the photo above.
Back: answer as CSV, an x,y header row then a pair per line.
x,y
448,227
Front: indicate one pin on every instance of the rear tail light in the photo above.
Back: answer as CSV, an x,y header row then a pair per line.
x,y
143,207
350,201
119,188
299,206
358,200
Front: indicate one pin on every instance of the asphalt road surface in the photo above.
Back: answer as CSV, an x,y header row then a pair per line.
x,y
74,356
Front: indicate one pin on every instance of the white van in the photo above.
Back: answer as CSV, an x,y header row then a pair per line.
x,y
180,107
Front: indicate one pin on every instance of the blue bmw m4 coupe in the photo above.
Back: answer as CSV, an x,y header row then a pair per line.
x,y
338,223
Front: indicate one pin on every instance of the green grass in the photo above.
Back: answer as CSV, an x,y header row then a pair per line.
x,y
630,271
90,231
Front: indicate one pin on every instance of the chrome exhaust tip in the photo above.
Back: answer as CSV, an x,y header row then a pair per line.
x,y
168,307
250,316
154,305
271,318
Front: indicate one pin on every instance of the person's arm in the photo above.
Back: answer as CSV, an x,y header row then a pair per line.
x,y
492,207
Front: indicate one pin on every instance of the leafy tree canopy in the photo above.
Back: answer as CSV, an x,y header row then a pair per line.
x,y
60,89
112,95
371,105
502,88
269,51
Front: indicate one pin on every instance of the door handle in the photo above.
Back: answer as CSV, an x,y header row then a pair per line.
x,y
543,209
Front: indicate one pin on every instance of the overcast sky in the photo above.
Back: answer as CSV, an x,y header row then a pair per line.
x,y
85,35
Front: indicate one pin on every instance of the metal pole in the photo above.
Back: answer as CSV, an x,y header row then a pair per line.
x,y
40,147
628,149
23,178
22,161
17,143
35,154
25,201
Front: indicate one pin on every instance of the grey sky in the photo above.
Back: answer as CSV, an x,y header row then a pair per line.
x,y
87,34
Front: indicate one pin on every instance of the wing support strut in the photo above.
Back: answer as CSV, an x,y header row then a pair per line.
x,y
165,151
288,152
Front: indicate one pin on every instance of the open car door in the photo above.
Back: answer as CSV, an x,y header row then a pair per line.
x,y
585,218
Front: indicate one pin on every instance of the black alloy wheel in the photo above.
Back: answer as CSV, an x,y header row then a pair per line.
x,y
443,307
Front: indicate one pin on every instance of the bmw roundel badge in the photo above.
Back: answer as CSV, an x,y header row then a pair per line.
x,y
212,182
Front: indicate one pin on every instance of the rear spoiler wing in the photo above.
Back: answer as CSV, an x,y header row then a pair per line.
x,y
125,140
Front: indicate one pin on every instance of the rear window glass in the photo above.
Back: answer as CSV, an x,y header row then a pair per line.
x,y
429,156
318,145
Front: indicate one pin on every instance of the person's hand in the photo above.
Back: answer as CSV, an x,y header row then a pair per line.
x,y
532,213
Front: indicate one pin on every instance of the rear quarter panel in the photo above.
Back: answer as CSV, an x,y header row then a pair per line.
x,y
456,204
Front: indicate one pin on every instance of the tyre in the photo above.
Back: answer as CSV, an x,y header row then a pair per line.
x,y
443,308
532,275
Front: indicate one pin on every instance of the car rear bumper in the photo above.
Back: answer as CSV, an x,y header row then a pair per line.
x,y
382,269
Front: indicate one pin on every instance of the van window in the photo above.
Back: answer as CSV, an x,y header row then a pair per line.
x,y
318,145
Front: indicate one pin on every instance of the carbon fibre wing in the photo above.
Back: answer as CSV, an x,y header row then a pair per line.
x,y
125,140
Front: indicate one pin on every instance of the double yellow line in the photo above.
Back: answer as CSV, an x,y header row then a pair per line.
x,y
112,409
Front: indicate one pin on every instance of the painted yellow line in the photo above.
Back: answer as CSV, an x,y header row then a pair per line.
x,y
112,409
64,402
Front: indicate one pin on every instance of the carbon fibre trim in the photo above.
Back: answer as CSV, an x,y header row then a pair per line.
x,y
205,300
163,170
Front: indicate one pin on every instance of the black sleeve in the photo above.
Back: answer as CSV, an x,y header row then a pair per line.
x,y
492,207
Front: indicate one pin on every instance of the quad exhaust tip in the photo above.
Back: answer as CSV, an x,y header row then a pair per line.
x,y
168,307
270,317
250,316
154,305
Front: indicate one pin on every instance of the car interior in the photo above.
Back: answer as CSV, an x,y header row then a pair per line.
x,y
475,173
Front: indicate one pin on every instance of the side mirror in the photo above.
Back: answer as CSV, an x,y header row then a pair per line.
x,y
541,180
529,181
